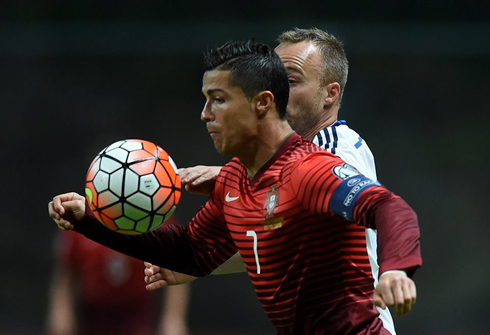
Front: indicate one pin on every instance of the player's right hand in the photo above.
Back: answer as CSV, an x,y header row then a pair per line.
x,y
157,277
66,209
199,179
395,289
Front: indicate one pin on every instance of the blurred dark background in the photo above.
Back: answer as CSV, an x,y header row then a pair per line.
x,y
79,75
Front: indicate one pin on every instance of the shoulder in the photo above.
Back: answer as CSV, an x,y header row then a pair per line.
x,y
319,160
346,143
301,148
230,175
339,133
233,167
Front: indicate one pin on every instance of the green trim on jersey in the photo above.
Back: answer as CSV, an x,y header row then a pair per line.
x,y
280,145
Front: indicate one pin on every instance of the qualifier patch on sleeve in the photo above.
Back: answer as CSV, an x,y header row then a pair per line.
x,y
345,195
344,171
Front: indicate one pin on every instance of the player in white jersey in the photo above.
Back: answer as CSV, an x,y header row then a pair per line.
x,y
344,142
317,70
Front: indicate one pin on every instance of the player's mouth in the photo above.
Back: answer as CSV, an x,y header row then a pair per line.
x,y
213,134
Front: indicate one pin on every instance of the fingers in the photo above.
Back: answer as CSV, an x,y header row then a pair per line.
x,y
59,200
53,213
378,300
66,207
64,225
151,269
199,174
199,179
154,277
188,175
154,280
397,290
156,285
407,299
195,175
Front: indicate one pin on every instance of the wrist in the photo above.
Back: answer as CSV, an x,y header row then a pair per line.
x,y
393,271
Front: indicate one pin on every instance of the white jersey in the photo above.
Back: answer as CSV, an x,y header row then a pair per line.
x,y
344,142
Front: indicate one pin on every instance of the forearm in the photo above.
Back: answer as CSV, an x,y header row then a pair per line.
x,y
398,236
398,231
167,246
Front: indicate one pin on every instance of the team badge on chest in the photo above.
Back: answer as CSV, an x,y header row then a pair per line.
x,y
271,202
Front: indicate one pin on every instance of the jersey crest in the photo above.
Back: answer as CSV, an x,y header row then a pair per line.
x,y
271,201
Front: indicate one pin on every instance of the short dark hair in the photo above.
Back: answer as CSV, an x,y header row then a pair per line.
x,y
254,67
334,60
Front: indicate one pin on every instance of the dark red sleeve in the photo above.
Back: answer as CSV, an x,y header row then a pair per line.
x,y
397,226
167,246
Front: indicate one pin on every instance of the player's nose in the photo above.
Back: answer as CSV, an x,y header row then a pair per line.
x,y
206,114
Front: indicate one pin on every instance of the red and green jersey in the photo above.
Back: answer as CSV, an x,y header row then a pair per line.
x,y
299,225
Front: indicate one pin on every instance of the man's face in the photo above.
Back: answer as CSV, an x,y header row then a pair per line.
x,y
303,65
228,114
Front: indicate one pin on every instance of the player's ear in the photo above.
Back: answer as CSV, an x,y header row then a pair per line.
x,y
331,93
263,102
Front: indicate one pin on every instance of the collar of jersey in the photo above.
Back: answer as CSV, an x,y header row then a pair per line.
x,y
339,123
288,140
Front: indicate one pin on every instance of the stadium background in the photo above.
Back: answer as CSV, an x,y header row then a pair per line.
x,y
76,76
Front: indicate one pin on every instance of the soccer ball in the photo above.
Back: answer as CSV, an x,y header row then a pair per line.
x,y
133,186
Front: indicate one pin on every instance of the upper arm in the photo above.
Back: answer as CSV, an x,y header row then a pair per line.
x,y
346,193
327,185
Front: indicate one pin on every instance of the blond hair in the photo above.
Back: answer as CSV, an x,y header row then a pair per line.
x,y
334,61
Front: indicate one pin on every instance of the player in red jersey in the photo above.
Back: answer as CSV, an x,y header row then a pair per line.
x,y
287,206
317,68
96,290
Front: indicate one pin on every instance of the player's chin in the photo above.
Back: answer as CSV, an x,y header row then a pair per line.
x,y
226,150
219,148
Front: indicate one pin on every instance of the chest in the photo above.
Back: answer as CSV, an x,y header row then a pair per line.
x,y
267,216
260,209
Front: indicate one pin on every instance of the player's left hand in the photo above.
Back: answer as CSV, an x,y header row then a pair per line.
x,y
66,209
157,277
396,289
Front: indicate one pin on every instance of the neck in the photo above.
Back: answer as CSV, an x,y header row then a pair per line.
x,y
328,118
264,146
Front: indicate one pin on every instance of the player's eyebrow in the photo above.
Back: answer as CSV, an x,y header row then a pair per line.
x,y
294,68
213,91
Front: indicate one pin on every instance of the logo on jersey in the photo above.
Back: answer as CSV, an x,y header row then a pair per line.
x,y
355,190
271,201
353,181
229,198
345,171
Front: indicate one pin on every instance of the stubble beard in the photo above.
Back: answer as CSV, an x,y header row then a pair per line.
x,y
308,115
